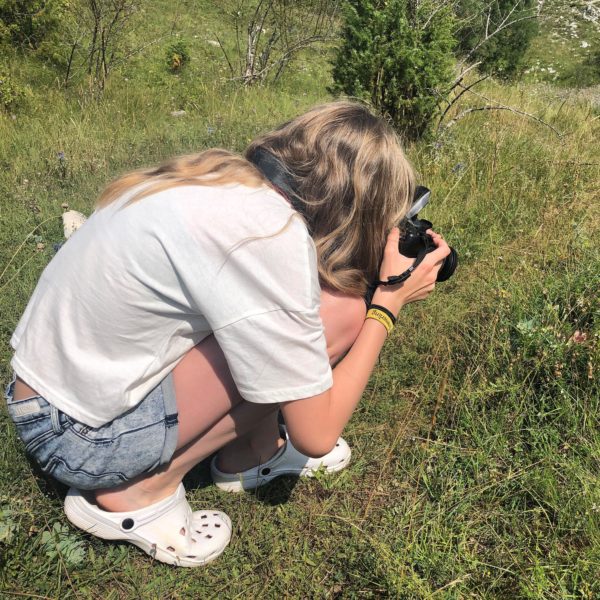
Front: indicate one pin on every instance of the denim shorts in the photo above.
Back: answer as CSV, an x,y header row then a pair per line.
x,y
88,458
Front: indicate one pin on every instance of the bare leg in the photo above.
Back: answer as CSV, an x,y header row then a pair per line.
x,y
342,318
212,414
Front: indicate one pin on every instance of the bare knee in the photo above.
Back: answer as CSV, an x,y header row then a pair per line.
x,y
342,316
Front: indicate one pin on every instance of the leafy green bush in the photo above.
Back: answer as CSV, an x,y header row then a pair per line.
x,y
497,33
177,56
26,23
11,92
398,56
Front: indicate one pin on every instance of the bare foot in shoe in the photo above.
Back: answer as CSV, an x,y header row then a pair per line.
x,y
134,495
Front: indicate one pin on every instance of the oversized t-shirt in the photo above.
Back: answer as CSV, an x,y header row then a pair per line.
x,y
139,285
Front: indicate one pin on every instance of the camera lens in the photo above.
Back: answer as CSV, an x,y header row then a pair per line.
x,y
448,266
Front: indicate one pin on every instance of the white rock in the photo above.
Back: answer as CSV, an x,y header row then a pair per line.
x,y
177,113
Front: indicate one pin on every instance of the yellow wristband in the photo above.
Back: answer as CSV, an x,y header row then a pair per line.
x,y
381,317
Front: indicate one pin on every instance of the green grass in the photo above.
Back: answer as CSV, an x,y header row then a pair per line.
x,y
476,446
566,51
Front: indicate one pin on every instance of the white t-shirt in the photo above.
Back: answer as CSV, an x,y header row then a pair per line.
x,y
138,286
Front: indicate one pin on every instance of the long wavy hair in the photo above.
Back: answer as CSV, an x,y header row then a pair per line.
x,y
352,180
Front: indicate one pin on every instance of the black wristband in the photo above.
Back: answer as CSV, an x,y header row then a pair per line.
x,y
384,310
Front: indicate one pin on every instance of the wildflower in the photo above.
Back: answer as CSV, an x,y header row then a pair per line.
x,y
458,168
60,155
578,337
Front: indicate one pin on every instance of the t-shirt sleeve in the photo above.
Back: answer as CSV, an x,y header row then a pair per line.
x,y
277,356
249,267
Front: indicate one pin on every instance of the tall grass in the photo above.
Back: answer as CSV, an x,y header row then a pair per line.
x,y
476,445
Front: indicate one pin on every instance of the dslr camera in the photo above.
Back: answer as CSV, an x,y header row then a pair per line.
x,y
416,243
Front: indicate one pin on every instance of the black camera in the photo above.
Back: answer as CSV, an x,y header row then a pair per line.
x,y
416,243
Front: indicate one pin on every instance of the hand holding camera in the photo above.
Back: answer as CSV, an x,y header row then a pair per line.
x,y
421,281
414,259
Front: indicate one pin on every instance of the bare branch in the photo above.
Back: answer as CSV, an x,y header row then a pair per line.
x,y
436,10
501,27
285,57
468,111
463,73
225,54
454,100
276,30
498,106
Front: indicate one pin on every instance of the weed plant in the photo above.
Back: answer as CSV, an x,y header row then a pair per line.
x,y
475,447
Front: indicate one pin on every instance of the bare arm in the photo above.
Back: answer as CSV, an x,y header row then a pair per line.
x,y
314,424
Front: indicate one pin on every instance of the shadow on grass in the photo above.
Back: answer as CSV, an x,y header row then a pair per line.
x,y
273,493
199,477
47,485
277,491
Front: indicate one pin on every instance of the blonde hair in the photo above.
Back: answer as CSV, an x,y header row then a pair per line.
x,y
353,184
352,180
211,167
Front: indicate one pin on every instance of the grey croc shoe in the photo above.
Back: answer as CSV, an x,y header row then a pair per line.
x,y
287,461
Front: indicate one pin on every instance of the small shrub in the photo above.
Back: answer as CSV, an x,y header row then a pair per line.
x,y
11,93
177,56
398,56
271,35
503,52
26,23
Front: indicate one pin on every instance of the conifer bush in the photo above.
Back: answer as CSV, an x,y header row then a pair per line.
x,y
496,34
25,23
11,92
397,55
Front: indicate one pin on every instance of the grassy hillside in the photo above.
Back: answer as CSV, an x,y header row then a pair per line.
x,y
476,446
567,51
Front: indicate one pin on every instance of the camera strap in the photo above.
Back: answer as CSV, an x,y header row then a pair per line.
x,y
396,279
278,175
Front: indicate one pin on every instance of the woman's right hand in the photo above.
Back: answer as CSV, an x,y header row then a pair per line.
x,y
315,423
422,280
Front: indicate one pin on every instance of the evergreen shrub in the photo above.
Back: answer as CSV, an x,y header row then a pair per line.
x,y
502,54
25,23
398,56
11,92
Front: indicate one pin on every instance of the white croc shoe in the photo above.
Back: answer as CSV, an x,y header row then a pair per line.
x,y
168,531
287,461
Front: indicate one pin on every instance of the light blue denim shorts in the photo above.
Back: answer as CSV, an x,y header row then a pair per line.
x,y
88,458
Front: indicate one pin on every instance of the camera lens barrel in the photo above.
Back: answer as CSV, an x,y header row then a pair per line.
x,y
448,266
